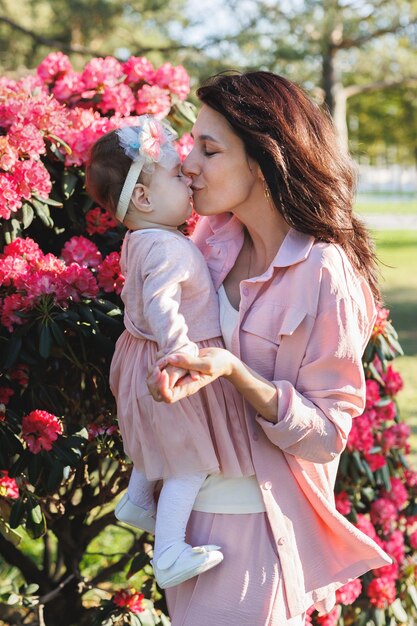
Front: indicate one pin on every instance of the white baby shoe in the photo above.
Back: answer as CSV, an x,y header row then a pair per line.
x,y
181,562
135,515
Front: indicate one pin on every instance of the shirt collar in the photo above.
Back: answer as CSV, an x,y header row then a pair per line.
x,y
295,248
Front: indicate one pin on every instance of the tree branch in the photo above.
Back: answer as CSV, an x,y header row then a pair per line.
x,y
359,41
354,90
46,41
114,568
25,564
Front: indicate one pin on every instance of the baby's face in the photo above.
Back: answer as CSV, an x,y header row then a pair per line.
x,y
170,196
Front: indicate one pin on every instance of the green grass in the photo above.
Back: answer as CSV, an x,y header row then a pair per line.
x,y
397,252
405,204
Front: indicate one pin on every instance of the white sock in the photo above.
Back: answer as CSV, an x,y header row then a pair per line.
x,y
174,508
141,490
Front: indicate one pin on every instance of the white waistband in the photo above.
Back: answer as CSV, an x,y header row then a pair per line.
x,y
229,495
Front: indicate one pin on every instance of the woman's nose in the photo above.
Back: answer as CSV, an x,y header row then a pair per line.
x,y
189,166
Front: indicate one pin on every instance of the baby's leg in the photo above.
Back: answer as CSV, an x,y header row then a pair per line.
x,y
137,507
174,508
141,490
174,560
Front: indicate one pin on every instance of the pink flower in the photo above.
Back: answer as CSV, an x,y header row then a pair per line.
x,y
82,251
153,100
8,486
101,430
366,526
99,222
413,540
384,413
102,72
372,393
23,247
8,154
398,494
40,429
184,145
14,306
10,198
381,592
391,572
5,394
411,478
380,322
27,139
138,69
54,65
118,98
77,282
394,546
191,224
392,380
396,437
375,461
13,271
109,275
68,86
130,599
343,503
384,513
349,593
175,79
360,436
32,177
20,373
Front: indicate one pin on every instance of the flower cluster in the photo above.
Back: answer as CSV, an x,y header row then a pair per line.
x,y
8,486
29,278
130,599
40,429
64,112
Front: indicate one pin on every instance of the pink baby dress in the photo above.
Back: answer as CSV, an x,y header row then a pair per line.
x,y
171,306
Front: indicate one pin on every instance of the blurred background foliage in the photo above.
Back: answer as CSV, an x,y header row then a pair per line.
x,y
357,56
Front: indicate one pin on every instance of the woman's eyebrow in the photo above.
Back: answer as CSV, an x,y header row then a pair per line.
x,y
205,138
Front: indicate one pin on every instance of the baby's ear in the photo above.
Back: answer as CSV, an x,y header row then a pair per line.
x,y
140,198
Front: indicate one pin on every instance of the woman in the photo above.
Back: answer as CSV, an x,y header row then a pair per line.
x,y
287,255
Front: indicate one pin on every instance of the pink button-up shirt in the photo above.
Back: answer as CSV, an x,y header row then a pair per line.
x,y
303,325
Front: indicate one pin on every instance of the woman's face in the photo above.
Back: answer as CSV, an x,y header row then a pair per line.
x,y
224,177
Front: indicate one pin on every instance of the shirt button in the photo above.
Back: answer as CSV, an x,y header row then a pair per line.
x,y
245,291
255,436
267,485
281,541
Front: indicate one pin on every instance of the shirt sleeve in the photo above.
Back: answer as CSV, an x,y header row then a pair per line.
x,y
315,416
165,269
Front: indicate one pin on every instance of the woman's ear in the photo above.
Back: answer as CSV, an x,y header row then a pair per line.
x,y
140,198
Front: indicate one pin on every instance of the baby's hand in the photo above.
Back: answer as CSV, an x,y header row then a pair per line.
x,y
174,374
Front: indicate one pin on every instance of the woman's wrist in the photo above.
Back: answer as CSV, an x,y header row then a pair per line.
x,y
232,368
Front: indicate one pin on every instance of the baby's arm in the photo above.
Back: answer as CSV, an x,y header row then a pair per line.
x,y
164,270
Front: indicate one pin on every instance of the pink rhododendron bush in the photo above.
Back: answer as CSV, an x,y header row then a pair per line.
x,y
65,559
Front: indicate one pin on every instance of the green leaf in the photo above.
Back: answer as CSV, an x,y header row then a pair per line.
x,y
34,468
17,513
67,456
13,348
45,341
379,617
412,592
36,514
356,457
42,211
187,110
58,334
398,610
48,201
55,476
69,182
27,215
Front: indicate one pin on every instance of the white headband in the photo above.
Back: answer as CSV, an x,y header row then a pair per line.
x,y
147,143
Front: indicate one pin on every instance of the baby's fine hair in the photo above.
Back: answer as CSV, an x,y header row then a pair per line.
x,y
106,171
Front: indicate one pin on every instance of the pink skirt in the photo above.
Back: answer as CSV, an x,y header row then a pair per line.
x,y
246,589
205,432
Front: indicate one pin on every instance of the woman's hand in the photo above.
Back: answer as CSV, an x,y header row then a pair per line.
x,y
202,370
